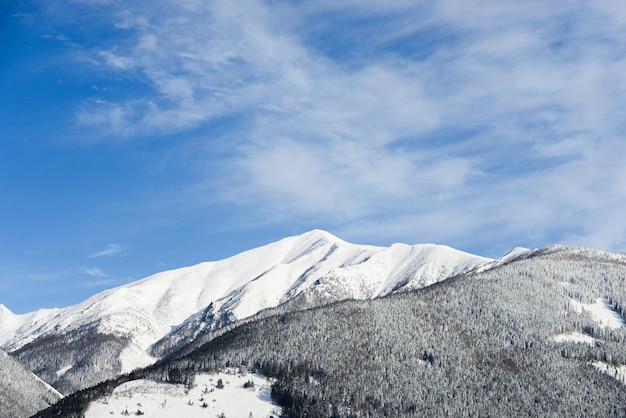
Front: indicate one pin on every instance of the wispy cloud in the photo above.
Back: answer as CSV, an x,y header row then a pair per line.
x,y
94,272
98,278
97,282
109,250
461,122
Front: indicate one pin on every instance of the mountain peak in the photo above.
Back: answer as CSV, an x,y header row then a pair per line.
x,y
319,234
5,312
310,269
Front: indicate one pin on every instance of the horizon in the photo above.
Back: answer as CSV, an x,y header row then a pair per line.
x,y
148,137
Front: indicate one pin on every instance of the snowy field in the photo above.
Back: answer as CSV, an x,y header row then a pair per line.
x,y
601,312
574,336
617,372
204,399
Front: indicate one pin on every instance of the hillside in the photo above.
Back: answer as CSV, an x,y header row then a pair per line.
x,y
542,335
134,325
21,392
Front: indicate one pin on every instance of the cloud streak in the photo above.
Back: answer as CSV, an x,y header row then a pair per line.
x,y
95,272
108,251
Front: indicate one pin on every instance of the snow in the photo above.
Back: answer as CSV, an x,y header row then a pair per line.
x,y
161,400
135,357
516,253
601,312
582,252
12,324
63,370
50,389
617,372
574,336
399,266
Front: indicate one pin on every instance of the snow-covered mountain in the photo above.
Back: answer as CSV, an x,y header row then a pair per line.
x,y
12,325
538,333
113,331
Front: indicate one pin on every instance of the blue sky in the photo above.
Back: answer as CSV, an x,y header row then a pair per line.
x,y
143,136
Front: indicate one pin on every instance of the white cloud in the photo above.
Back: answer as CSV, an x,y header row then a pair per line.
x,y
95,272
119,62
98,279
109,250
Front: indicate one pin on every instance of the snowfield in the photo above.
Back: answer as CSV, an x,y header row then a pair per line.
x,y
204,399
575,337
600,311
617,372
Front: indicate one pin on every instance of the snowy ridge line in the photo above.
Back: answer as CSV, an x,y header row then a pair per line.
x,y
573,251
518,253
12,324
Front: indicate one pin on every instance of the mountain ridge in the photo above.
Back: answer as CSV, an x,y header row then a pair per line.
x,y
124,322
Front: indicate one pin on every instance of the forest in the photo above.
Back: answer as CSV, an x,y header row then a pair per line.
x,y
21,392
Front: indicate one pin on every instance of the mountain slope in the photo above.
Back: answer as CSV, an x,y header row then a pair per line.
x,y
22,393
343,272
526,338
12,325
112,332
